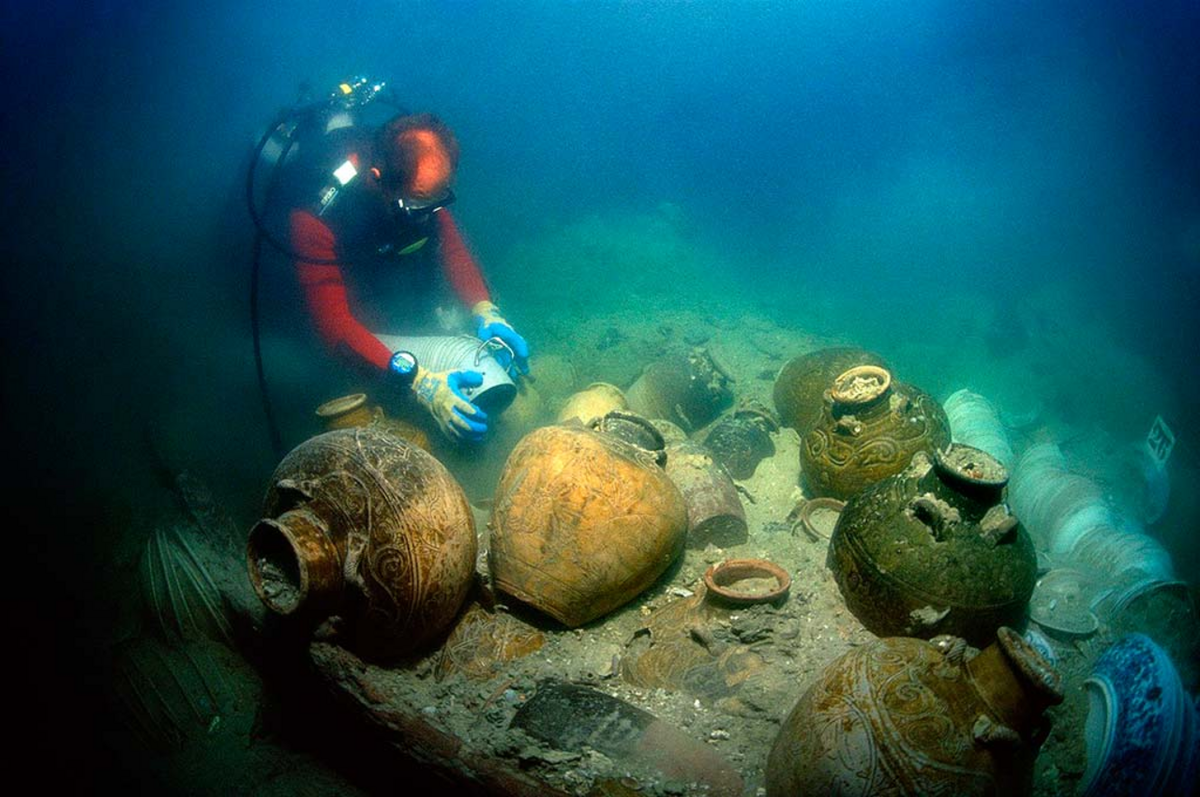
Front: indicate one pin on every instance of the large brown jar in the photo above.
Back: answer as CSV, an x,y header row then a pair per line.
x,y
802,382
714,508
869,429
585,519
687,388
365,526
935,550
905,716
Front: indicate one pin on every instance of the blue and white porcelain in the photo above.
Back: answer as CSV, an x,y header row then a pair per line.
x,y
1142,727
1042,645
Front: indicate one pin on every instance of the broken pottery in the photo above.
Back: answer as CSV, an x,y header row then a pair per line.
x,y
934,550
714,509
571,717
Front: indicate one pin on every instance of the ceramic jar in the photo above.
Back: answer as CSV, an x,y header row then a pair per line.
x,y
365,526
354,411
585,519
906,716
869,429
934,550
595,401
687,388
742,439
714,508
802,382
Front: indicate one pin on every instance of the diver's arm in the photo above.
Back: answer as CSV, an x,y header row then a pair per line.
x,y
458,264
325,292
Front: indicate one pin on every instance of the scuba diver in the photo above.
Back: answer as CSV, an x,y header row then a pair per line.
x,y
378,255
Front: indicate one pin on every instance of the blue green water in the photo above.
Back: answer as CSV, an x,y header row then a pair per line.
x,y
998,196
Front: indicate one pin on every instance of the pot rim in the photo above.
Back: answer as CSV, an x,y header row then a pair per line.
x,y
719,575
947,463
839,391
813,504
341,405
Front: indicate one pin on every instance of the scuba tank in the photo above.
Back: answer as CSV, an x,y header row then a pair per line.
x,y
305,122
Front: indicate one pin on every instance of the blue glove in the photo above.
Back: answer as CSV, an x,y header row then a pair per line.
x,y
490,324
441,393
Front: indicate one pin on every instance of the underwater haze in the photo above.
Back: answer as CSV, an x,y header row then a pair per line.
x,y
1002,196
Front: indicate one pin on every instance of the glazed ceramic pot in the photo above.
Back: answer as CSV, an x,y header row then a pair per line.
x,y
801,384
742,439
585,519
354,412
362,525
975,421
869,429
1142,728
934,550
905,716
688,388
714,509
346,412
1162,610
595,401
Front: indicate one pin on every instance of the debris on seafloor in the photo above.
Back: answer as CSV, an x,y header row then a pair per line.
x,y
570,717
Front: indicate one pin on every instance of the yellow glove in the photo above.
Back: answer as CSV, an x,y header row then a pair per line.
x,y
440,393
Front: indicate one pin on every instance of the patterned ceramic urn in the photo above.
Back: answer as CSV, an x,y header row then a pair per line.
x,y
365,526
801,384
909,717
934,550
869,429
585,519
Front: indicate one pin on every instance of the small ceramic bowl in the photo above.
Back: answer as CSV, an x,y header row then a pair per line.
x,y
743,582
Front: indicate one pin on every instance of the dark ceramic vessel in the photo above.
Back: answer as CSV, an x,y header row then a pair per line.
x,y
802,382
866,434
934,550
687,388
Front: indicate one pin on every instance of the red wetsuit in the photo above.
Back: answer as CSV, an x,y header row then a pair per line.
x,y
334,308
